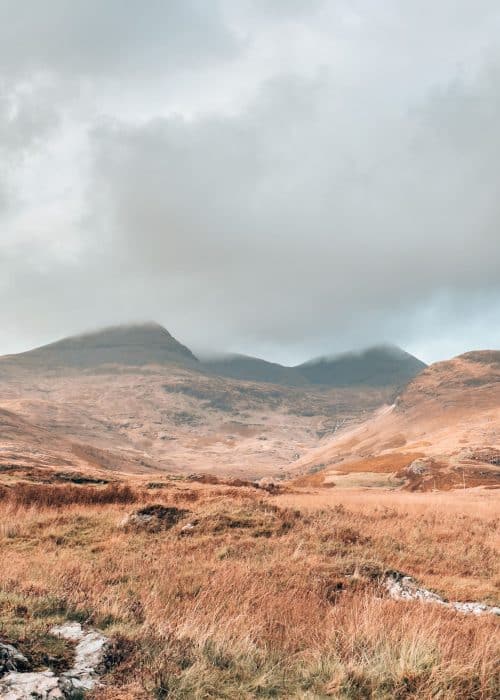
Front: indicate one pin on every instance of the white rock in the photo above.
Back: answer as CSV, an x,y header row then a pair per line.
x,y
89,655
42,685
402,587
72,631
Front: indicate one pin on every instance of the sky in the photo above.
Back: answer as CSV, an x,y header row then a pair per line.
x,y
283,178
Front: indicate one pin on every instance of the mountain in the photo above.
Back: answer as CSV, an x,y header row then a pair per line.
x,y
132,398
379,366
151,344
254,369
382,365
136,345
443,431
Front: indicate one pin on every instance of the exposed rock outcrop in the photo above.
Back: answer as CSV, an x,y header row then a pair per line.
x,y
11,659
45,685
402,587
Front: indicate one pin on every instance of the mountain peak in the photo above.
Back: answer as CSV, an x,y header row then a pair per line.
x,y
132,344
379,365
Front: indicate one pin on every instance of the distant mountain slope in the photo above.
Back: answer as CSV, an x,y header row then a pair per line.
x,y
442,432
141,344
150,344
377,366
132,398
254,369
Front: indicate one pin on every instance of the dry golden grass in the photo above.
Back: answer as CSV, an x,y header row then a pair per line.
x,y
47,495
269,596
381,463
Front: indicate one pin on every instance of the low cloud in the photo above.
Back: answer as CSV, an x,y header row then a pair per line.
x,y
328,207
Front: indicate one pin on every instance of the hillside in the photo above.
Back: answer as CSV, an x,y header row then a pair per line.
x,y
443,431
134,399
139,344
254,369
379,366
383,365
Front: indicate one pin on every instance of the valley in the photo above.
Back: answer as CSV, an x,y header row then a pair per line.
x,y
175,528
131,400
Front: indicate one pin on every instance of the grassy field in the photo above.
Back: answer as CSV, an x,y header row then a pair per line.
x,y
272,596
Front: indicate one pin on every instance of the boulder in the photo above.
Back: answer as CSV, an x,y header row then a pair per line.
x,y
11,659
42,685
418,467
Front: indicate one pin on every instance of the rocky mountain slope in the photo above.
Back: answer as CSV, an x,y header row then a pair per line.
x,y
134,399
443,431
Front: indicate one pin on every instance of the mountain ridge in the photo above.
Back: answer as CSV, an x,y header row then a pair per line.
x,y
378,365
148,343
441,432
134,344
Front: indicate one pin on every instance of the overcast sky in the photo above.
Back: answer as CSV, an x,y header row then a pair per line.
x,y
286,178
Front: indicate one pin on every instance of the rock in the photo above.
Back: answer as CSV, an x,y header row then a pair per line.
x,y
418,467
475,608
187,529
72,631
11,659
154,518
89,656
402,587
44,685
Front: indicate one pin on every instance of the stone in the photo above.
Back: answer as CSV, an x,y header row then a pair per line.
x,y
45,685
42,685
402,587
11,659
418,467
89,656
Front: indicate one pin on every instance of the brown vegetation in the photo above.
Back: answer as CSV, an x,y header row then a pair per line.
x,y
262,596
449,415
50,496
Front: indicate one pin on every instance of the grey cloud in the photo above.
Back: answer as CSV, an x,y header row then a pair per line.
x,y
346,204
291,224
27,116
100,39
279,9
